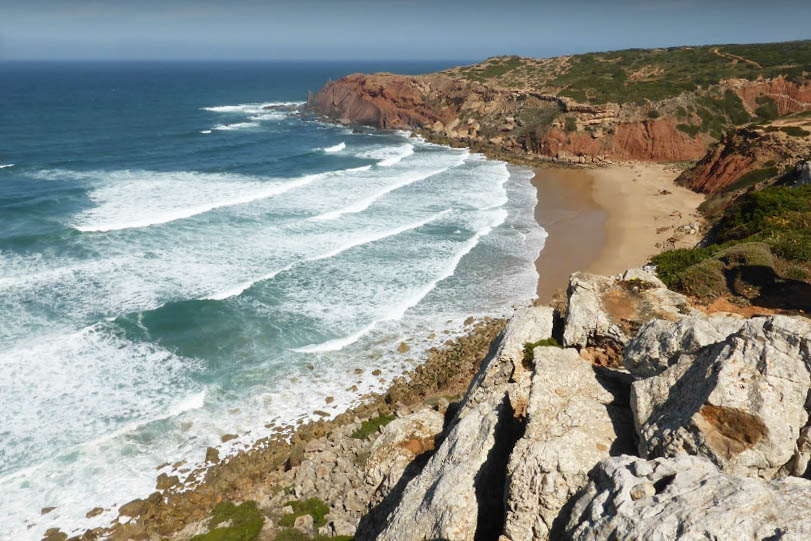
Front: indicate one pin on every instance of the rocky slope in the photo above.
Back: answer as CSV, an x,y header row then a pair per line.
x,y
625,105
625,414
756,153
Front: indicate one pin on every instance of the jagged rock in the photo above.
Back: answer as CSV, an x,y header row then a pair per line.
x,y
573,421
459,493
401,441
739,402
304,524
659,343
686,497
606,311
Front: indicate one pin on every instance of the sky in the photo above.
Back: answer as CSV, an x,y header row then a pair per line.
x,y
380,30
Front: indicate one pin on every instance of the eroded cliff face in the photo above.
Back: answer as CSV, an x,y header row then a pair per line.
x,y
762,152
537,126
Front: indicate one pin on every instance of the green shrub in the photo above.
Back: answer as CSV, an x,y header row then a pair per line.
x,y
690,130
571,125
246,523
704,280
768,109
653,113
670,264
530,346
795,131
313,507
371,426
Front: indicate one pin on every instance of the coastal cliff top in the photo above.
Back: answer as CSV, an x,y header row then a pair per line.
x,y
634,75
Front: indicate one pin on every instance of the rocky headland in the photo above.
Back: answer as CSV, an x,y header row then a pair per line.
x,y
667,401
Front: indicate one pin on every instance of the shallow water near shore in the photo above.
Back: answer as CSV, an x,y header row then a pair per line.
x,y
182,256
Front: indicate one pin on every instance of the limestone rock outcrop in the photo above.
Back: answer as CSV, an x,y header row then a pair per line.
x,y
401,441
459,493
577,415
607,311
686,497
741,402
660,343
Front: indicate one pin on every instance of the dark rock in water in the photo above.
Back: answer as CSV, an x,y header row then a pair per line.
x,y
96,511
46,510
164,481
212,455
228,437
54,534
132,508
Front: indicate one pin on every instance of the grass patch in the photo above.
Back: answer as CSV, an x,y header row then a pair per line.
x,y
795,131
763,236
313,507
246,523
530,346
371,426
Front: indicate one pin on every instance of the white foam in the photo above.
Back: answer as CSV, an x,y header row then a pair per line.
x,y
337,148
205,131
236,126
128,199
366,202
399,311
6,165
388,156
251,108
359,241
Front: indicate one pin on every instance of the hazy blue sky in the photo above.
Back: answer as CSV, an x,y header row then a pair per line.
x,y
367,29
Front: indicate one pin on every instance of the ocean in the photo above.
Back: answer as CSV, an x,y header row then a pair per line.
x,y
184,256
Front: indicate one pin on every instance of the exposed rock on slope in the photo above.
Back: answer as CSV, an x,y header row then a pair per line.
x,y
577,415
606,311
662,104
687,498
459,493
740,401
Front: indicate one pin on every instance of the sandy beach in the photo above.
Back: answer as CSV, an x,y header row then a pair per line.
x,y
609,219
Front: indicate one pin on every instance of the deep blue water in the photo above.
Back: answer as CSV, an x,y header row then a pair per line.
x,y
183,256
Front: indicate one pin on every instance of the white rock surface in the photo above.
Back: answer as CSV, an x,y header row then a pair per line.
x,y
464,479
572,423
660,343
401,441
686,497
740,402
608,310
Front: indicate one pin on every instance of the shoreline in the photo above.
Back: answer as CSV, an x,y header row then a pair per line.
x,y
608,219
583,214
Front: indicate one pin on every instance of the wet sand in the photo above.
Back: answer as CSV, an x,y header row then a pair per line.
x,y
609,219
574,222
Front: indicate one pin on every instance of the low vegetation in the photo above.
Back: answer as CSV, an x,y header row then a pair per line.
x,y
371,426
244,523
636,75
760,250
529,347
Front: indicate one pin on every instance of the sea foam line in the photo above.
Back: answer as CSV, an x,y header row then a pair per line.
x,y
251,108
368,239
179,214
3,166
363,204
399,311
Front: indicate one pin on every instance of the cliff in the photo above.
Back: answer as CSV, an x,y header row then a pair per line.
x,y
661,104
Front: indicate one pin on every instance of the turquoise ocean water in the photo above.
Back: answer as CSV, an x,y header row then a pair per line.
x,y
182,256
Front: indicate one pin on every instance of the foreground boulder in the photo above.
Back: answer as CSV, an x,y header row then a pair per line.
x,y
687,497
577,415
739,402
660,344
459,493
607,311
400,443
